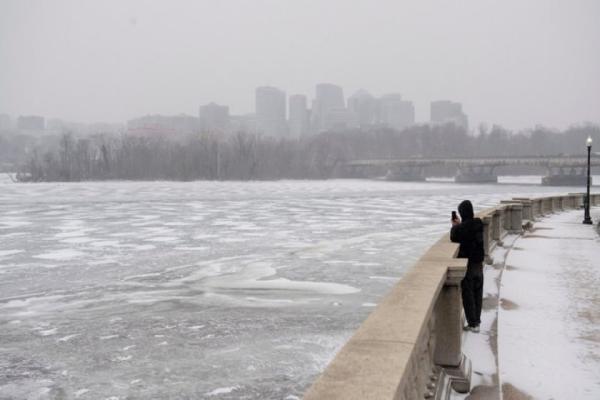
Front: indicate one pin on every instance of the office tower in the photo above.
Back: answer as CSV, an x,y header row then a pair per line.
x,y
214,118
364,108
270,111
395,112
298,122
328,97
445,111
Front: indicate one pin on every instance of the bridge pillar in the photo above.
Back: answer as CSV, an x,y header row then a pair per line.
x,y
573,203
496,229
355,171
409,173
577,199
514,216
546,206
502,215
565,176
487,238
507,218
527,204
555,203
538,208
456,367
476,174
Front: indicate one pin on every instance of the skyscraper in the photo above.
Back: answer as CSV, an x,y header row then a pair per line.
x,y
270,111
395,112
328,98
364,107
445,111
298,122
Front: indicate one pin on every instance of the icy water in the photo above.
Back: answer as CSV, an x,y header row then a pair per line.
x,y
216,290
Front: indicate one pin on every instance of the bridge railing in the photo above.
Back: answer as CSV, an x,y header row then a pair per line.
x,y
410,346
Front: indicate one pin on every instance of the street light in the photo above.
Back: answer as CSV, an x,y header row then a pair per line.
x,y
586,218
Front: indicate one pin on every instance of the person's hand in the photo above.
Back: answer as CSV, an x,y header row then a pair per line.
x,y
455,222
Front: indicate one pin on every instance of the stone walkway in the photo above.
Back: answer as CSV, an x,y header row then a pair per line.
x,y
540,333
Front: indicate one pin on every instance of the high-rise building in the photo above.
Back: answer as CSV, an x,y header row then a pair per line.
x,y
270,111
4,121
328,97
395,112
445,111
214,118
31,123
298,121
364,107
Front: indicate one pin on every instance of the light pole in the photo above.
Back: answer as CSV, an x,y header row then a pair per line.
x,y
586,218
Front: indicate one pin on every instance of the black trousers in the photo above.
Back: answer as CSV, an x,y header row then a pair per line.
x,y
472,293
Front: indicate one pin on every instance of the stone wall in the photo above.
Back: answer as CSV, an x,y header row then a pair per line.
x,y
410,346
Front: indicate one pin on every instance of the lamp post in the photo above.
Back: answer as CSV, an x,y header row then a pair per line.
x,y
586,218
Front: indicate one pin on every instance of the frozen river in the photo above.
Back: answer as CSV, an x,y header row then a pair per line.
x,y
162,290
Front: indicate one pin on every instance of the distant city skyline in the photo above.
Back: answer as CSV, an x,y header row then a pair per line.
x,y
513,63
276,114
322,92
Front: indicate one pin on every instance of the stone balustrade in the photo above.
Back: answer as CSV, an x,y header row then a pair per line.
x,y
410,346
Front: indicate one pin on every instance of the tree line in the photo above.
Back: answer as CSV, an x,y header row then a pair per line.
x,y
244,156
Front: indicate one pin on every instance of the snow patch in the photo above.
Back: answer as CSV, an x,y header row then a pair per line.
x,y
68,337
65,254
6,253
223,390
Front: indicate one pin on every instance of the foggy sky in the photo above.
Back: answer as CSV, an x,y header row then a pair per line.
x,y
517,63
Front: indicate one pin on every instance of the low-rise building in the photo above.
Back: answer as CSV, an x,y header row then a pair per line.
x,y
214,118
446,111
31,123
163,125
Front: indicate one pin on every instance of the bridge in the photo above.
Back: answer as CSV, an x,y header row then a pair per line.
x,y
412,345
561,170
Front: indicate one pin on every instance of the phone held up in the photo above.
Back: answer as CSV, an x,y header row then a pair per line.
x,y
454,216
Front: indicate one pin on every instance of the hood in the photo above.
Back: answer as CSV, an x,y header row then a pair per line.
x,y
465,209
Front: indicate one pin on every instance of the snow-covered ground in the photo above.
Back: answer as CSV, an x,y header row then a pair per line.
x,y
205,289
540,333
549,319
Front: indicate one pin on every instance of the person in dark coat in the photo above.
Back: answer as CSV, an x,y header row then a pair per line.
x,y
468,231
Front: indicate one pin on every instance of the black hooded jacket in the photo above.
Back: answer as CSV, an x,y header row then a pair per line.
x,y
469,233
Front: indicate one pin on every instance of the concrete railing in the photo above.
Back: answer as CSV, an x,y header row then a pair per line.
x,y
410,346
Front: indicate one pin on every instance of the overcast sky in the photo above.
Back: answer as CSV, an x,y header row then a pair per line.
x,y
517,63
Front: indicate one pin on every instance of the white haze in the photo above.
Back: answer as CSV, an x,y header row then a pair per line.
x,y
517,63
